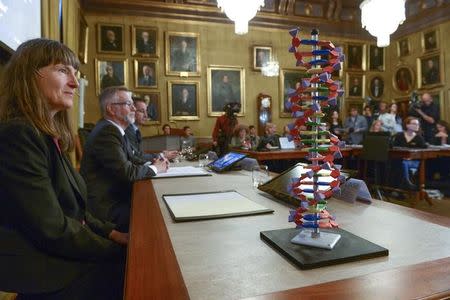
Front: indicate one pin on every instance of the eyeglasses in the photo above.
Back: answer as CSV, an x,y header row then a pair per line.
x,y
142,111
127,103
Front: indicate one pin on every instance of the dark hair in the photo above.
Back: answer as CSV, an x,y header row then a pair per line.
x,y
251,127
165,125
408,120
444,124
186,127
20,95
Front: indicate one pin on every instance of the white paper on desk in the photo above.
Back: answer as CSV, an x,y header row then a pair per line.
x,y
182,171
285,144
211,205
354,189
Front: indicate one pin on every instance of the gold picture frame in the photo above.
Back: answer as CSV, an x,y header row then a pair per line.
x,y
403,79
430,70
153,101
110,38
403,47
430,40
355,87
356,57
225,84
119,76
289,79
83,39
261,55
146,73
182,54
376,86
377,58
144,41
181,105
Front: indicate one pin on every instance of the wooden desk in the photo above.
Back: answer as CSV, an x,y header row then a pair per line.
x,y
225,258
418,154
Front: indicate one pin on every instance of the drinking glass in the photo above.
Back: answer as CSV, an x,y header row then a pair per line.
x,y
203,160
260,175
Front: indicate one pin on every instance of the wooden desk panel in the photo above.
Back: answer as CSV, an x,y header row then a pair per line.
x,y
153,270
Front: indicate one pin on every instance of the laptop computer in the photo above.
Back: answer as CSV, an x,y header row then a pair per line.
x,y
285,144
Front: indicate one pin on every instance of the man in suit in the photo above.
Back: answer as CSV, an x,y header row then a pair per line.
x,y
134,135
183,58
270,139
355,89
144,45
377,87
109,79
147,78
109,42
108,165
355,125
184,105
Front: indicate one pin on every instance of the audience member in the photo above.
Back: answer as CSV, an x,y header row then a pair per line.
x,y
388,122
253,136
188,139
134,135
440,167
336,124
441,136
411,139
355,125
367,113
240,138
377,126
51,248
108,164
428,114
381,109
270,138
166,129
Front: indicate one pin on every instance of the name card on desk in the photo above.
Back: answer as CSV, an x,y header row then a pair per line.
x,y
354,189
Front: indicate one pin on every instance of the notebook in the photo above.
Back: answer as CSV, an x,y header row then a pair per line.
x,y
285,144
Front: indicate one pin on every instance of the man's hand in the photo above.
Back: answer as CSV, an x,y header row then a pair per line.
x,y
170,154
161,165
120,238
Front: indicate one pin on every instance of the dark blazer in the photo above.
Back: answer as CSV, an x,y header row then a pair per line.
x,y
44,244
109,169
136,145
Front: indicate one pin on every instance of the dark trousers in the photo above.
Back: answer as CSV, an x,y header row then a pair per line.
x,y
102,281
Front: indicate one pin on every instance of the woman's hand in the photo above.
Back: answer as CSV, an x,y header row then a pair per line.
x,y
120,238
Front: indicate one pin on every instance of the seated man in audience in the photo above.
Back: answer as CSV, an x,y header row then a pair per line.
x,y
270,139
253,136
355,125
188,140
108,165
135,138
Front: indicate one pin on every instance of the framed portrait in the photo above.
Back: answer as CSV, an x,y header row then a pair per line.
x,y
355,85
356,57
376,87
430,40
183,97
261,55
204,2
430,70
110,72
336,74
110,38
270,6
403,47
182,54
376,58
226,84
290,80
146,73
153,101
83,39
144,41
403,79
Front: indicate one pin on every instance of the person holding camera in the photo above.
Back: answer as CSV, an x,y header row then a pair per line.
x,y
427,113
224,128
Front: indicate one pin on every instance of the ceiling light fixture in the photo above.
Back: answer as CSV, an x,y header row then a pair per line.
x,y
241,12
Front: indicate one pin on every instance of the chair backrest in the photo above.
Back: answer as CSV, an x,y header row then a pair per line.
x,y
376,147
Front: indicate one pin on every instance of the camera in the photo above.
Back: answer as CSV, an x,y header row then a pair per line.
x,y
233,107
414,100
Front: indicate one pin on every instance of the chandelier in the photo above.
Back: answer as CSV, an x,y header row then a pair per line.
x,y
271,68
241,12
381,18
